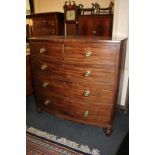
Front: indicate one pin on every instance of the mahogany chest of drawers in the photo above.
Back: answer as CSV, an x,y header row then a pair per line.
x,y
51,23
77,78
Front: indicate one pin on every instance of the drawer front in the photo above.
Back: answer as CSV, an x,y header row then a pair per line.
x,y
44,22
90,74
98,94
75,110
45,31
44,26
44,49
72,73
91,54
42,31
44,67
38,23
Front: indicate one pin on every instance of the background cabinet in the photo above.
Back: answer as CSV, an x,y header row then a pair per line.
x,y
98,25
48,24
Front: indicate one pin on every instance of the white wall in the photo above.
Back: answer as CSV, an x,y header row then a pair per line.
x,y
57,5
27,5
121,28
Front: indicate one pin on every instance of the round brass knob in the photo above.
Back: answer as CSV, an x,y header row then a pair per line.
x,y
87,73
45,84
46,103
94,31
86,93
88,53
43,67
42,50
86,113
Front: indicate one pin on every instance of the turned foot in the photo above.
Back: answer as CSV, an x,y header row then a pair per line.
x,y
39,110
108,131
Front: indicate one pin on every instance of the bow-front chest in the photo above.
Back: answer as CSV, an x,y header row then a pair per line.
x,y
77,78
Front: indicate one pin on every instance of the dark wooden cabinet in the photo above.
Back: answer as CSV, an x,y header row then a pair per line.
x,y
48,24
29,87
77,78
71,29
95,25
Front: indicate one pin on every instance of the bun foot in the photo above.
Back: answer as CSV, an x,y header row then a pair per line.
x,y
39,110
108,131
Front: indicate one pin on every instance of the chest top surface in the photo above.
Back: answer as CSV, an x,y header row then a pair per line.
x,y
62,38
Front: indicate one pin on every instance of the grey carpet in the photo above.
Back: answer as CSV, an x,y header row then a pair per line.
x,y
92,136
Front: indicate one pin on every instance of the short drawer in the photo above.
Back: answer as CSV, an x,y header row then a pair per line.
x,y
76,111
91,54
44,49
44,67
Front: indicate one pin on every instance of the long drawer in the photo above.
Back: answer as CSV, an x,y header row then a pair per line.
x,y
73,73
74,110
98,93
83,53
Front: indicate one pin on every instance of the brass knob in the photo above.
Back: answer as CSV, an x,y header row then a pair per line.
x,y
86,113
42,50
87,73
94,31
88,53
43,67
86,93
45,84
46,103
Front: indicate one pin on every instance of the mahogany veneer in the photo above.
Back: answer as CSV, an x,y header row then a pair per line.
x,y
96,25
51,23
77,78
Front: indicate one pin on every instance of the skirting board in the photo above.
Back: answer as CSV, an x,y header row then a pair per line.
x,y
123,89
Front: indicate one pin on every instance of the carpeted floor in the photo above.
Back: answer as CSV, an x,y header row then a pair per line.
x,y
92,136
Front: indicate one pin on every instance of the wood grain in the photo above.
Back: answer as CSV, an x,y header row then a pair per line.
x,y
96,25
